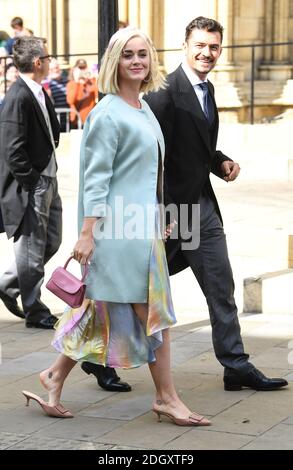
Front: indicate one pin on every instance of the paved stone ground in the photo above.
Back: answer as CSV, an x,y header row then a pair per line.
x,y
258,218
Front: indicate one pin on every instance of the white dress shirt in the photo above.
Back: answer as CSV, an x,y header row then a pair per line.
x,y
194,80
35,88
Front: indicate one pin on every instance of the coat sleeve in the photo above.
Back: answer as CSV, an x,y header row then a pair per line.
x,y
98,154
162,105
13,142
218,159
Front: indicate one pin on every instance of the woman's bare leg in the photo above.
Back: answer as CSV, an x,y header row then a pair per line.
x,y
53,378
166,396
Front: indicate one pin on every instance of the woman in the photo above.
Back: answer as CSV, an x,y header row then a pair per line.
x,y
81,91
126,322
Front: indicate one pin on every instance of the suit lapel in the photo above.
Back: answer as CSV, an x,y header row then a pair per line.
x,y
53,118
38,110
188,97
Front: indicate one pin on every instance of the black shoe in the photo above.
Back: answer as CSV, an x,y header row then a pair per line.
x,y
45,323
254,379
106,377
12,305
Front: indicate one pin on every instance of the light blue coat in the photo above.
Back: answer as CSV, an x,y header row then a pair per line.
x,y
120,159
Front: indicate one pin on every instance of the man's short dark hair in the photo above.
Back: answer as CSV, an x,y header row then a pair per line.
x,y
16,21
25,50
210,25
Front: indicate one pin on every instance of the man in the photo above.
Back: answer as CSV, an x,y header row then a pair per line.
x,y
187,113
30,203
57,91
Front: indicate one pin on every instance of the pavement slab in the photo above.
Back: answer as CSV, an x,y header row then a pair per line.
x,y
279,437
210,398
273,357
256,414
123,408
45,443
10,440
183,350
288,420
145,432
197,439
28,363
81,428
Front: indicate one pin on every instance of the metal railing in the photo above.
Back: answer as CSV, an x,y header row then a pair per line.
x,y
252,66
235,46
67,112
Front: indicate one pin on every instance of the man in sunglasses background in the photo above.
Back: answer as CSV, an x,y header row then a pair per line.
x,y
30,203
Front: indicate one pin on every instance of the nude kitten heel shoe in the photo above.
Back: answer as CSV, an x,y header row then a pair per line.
x,y
57,411
193,420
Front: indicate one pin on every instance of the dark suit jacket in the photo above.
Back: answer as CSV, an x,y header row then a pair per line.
x,y
25,150
2,229
190,149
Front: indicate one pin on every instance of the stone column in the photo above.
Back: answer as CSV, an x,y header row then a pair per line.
x,y
146,16
281,13
268,32
140,14
49,26
226,70
45,22
158,20
276,64
225,15
123,10
60,29
134,12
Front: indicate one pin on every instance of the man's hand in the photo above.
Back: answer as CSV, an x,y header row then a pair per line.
x,y
230,170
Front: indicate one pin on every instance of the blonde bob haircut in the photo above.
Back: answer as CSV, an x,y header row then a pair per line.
x,y
108,76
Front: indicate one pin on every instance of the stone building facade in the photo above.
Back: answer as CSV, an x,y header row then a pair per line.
x,y
71,27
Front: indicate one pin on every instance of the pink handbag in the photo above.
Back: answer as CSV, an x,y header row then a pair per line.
x,y
66,286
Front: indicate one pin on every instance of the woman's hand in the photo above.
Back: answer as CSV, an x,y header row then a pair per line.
x,y
85,245
83,249
169,230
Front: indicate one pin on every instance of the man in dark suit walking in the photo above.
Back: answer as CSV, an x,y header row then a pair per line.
x,y
30,203
187,113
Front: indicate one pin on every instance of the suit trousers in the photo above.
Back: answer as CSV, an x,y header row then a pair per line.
x,y
211,267
35,242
